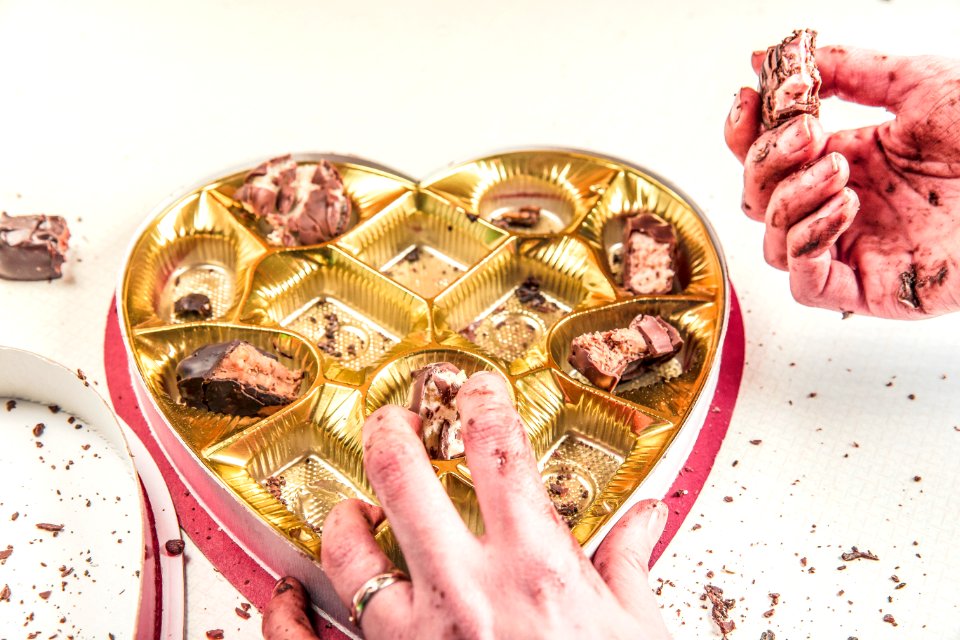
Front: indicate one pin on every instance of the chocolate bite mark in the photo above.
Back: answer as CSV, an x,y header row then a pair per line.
x,y
649,254
32,247
790,80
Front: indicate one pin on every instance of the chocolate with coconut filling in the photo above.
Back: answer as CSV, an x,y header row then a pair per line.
x,y
236,378
649,254
435,389
790,80
32,247
302,204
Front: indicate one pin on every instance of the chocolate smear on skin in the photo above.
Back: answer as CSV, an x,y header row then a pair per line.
x,y
907,293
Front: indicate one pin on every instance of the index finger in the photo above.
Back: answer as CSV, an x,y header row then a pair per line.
x,y
511,494
428,527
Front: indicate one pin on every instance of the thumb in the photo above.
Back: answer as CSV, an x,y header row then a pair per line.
x,y
623,561
285,616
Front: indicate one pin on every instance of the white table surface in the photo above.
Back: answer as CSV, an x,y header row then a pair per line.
x,y
106,107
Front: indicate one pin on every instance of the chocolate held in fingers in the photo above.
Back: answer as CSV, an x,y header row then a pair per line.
x,y
790,80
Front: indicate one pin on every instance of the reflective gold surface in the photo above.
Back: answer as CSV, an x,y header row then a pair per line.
x,y
390,311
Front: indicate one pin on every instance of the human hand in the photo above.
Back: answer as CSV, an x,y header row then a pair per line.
x,y
864,220
525,577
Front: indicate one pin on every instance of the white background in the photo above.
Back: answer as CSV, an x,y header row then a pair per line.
x,y
106,107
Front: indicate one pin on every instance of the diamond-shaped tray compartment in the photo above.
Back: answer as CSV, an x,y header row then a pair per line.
x,y
425,273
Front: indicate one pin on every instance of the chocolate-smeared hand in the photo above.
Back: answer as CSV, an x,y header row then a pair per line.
x,y
865,220
525,577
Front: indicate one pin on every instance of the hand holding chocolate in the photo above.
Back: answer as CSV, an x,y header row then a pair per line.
x,y
435,389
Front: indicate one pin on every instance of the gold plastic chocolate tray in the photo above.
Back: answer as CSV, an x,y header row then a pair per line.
x,y
396,315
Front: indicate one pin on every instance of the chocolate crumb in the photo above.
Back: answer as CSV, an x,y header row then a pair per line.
x,y
728,498
38,429
721,609
54,408
174,547
413,255
6,553
845,314
774,598
5,593
472,217
912,396
16,514
768,635
768,613
889,618
917,478
856,554
11,405
215,634
45,595
755,442
242,613
45,526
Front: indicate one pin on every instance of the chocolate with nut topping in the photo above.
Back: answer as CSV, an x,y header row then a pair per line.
x,y
193,306
649,254
236,378
790,80
32,247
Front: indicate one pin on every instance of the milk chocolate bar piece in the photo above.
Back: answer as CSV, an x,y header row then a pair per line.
x,y
236,378
435,389
302,204
790,80
662,338
526,216
607,358
193,306
649,254
32,247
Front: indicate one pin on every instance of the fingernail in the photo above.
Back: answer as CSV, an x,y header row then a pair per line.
x,y
821,170
736,110
799,135
281,586
657,521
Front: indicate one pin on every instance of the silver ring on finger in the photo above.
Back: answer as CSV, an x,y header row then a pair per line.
x,y
361,599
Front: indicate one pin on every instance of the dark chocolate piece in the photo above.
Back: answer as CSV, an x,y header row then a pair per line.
x,y
527,216
302,204
193,306
434,394
236,378
32,247
649,254
790,80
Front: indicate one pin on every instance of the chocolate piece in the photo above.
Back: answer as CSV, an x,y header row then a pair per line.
x,y
611,357
236,378
649,254
435,389
174,547
528,293
790,80
527,216
663,340
32,247
303,204
606,358
193,306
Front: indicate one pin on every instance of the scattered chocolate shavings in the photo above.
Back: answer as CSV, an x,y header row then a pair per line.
x,y
46,526
890,619
54,408
721,609
174,547
275,484
5,593
243,614
856,554
11,405
38,429
215,634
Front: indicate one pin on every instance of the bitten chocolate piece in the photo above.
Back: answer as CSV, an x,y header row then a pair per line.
x,y
607,358
303,204
663,340
649,254
610,357
193,306
32,247
435,389
790,80
236,378
526,217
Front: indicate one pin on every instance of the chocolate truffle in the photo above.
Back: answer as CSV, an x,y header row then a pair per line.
x,y
32,247
435,389
193,306
790,80
649,254
236,378
302,204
